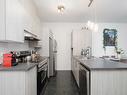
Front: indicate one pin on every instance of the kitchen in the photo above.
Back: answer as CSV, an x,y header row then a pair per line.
x,y
63,47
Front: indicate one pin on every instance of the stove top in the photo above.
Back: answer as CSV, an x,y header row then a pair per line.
x,y
41,61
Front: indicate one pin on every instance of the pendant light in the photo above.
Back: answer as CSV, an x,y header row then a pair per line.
x,y
95,29
93,26
90,24
60,7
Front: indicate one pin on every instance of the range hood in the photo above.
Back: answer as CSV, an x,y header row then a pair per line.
x,y
30,37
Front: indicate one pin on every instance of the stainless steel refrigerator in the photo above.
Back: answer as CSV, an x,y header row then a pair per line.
x,y
52,56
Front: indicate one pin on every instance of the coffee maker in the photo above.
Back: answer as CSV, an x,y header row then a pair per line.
x,y
10,59
15,57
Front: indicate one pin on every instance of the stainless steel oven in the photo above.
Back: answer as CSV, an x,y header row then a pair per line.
x,y
42,77
84,81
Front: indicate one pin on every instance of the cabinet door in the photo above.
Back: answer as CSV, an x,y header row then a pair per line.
x,y
74,42
31,82
2,19
12,83
77,72
28,22
78,42
14,21
38,28
45,42
32,24
73,65
35,26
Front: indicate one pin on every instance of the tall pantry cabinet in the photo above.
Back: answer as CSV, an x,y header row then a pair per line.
x,y
11,21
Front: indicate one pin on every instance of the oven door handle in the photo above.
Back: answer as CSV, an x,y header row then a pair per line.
x,y
43,78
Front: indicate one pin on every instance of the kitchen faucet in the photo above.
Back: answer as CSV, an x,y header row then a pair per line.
x,y
86,52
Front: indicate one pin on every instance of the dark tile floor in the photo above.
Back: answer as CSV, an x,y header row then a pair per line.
x,y
62,84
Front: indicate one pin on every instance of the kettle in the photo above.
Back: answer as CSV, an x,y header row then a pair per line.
x,y
28,59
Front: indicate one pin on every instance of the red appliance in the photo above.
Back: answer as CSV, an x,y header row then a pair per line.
x,y
7,60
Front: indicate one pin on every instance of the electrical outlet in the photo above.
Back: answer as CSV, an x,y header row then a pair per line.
x,y
1,57
1,54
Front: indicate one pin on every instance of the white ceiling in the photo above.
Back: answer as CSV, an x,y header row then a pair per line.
x,y
78,11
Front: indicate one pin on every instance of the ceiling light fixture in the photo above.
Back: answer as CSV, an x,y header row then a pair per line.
x,y
91,1
92,26
60,9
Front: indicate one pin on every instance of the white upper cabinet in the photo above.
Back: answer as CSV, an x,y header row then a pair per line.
x,y
32,24
11,21
2,19
14,19
38,28
28,21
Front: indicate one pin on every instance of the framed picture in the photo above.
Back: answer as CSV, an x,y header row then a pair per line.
x,y
110,37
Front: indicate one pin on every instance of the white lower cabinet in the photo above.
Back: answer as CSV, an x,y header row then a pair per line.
x,y
108,82
77,73
18,82
104,81
31,82
75,70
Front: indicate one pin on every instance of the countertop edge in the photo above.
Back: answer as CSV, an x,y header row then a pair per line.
x,y
97,69
13,69
21,66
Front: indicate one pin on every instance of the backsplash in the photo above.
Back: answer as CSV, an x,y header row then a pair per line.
x,y
6,47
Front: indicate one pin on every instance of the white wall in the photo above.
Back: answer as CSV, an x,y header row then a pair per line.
x,y
97,39
62,34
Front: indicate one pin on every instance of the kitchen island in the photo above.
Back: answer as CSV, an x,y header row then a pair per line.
x,y
99,76
19,80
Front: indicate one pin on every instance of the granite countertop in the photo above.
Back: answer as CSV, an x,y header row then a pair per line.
x,y
101,64
19,67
